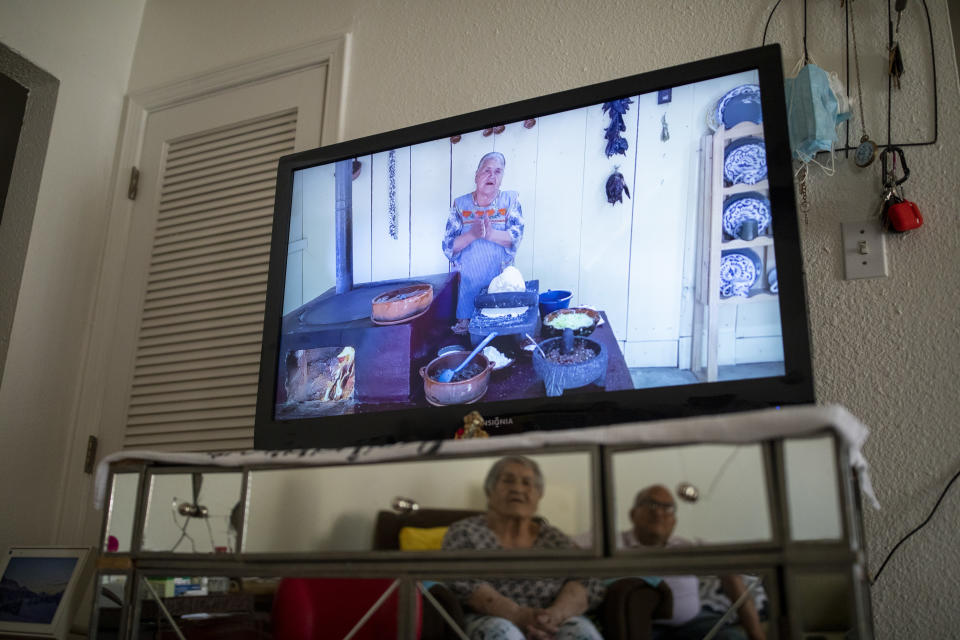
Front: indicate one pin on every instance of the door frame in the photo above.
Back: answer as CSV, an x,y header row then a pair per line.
x,y
76,520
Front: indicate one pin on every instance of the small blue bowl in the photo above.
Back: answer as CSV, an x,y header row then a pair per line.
x,y
553,300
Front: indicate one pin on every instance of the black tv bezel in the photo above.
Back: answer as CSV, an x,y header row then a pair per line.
x,y
795,386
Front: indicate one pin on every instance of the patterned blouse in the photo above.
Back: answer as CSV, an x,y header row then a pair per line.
x,y
473,533
504,213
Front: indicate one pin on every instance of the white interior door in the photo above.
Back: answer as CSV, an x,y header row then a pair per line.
x,y
185,363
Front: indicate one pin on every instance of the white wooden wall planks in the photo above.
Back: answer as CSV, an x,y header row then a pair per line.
x,y
293,284
664,201
634,260
520,147
391,256
430,204
559,201
605,229
755,334
362,224
319,269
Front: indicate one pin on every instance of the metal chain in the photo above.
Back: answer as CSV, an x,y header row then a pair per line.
x,y
804,200
856,62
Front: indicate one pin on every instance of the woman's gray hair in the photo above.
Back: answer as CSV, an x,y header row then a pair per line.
x,y
493,154
494,474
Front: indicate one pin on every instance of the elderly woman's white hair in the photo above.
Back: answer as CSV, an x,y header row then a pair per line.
x,y
493,154
494,474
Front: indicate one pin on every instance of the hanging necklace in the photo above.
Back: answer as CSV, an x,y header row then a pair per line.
x,y
867,149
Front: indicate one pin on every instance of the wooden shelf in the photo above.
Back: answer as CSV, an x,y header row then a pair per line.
x,y
760,241
711,245
743,129
759,296
763,185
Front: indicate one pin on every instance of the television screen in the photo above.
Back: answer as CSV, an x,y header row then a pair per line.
x,y
622,251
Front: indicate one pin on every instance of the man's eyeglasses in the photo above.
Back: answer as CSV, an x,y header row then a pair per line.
x,y
667,508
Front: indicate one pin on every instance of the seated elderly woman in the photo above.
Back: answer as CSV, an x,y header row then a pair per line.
x,y
520,608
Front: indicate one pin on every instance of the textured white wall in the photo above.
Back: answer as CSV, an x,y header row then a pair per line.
x,y
89,48
888,349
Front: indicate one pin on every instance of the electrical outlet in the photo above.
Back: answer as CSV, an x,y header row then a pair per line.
x,y
864,249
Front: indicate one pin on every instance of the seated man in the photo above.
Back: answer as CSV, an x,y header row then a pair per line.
x,y
654,518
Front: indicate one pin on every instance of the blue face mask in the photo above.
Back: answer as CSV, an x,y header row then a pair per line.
x,y
812,112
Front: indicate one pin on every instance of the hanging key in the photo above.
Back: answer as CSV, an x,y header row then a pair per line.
x,y
900,5
890,197
895,63
897,213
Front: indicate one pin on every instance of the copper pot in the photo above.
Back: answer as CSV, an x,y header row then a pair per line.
x,y
462,392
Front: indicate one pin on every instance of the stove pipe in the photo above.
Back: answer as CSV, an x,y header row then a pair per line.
x,y
343,177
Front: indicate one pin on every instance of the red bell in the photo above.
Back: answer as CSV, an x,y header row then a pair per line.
x,y
904,216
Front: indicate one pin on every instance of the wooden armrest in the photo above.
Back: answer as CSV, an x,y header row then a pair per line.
x,y
631,605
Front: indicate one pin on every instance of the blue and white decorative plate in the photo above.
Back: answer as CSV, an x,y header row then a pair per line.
x,y
739,270
745,161
746,206
740,104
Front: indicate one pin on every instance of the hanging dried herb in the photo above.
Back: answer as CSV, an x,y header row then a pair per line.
x,y
616,187
392,195
615,142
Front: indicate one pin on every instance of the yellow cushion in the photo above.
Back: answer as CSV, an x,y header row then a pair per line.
x,y
420,539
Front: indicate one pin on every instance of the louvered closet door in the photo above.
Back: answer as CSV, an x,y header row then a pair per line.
x,y
209,174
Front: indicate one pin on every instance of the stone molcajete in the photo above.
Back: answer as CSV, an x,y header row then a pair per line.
x,y
570,362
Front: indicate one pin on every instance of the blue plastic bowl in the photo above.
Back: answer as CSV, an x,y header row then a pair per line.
x,y
553,300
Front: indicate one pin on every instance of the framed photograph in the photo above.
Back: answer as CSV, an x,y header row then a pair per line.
x,y
40,588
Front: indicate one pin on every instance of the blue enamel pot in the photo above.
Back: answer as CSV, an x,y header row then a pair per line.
x,y
553,300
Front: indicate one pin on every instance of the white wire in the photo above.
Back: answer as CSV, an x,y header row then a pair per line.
x,y
183,528
372,609
443,612
726,617
716,478
163,608
720,471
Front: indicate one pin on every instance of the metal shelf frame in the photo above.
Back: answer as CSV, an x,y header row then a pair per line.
x,y
779,560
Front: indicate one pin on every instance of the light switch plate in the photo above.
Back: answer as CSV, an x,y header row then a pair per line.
x,y
864,249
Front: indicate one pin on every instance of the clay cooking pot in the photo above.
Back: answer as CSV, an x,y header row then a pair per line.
x,y
395,305
461,392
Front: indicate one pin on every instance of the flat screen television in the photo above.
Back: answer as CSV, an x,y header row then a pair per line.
x,y
632,244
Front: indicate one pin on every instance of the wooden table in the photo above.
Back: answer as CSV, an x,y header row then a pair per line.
x,y
519,381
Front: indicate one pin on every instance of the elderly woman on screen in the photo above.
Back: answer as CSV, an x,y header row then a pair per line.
x,y
483,231
520,608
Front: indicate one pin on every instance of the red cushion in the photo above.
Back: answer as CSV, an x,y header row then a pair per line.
x,y
324,608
